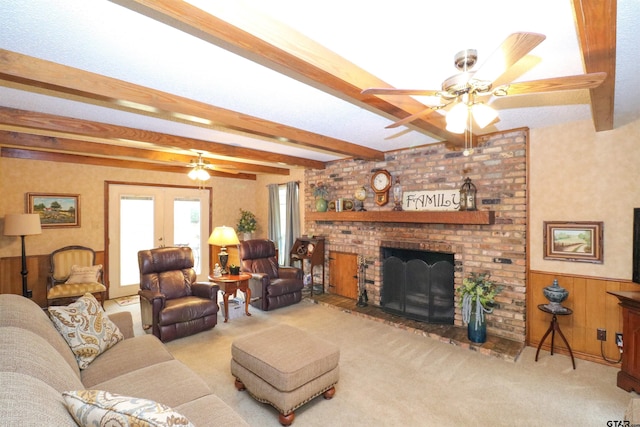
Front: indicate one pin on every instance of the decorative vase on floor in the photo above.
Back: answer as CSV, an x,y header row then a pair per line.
x,y
477,328
321,204
246,236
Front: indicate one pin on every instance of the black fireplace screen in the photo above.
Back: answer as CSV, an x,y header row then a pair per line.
x,y
418,285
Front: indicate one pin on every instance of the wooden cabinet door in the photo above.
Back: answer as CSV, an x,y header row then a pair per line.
x,y
630,374
343,274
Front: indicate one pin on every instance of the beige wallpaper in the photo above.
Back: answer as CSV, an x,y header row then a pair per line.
x,y
577,174
18,177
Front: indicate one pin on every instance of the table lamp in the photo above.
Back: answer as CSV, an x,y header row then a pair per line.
x,y
22,225
223,237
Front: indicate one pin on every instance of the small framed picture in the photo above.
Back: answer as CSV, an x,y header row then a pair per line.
x,y
55,210
573,241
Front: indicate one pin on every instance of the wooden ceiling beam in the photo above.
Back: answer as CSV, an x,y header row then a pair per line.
x,y
57,126
261,39
16,139
596,25
19,153
67,82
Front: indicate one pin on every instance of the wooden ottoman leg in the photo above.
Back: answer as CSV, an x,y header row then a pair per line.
x,y
329,393
239,385
286,420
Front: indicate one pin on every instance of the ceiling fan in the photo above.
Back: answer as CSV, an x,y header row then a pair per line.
x,y
200,169
463,91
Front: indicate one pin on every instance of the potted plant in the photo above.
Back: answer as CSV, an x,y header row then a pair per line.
x,y
477,297
247,224
321,192
234,269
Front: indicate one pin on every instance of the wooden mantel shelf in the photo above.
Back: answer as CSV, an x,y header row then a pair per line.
x,y
416,217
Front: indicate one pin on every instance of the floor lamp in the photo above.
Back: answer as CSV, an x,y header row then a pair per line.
x,y
22,225
223,237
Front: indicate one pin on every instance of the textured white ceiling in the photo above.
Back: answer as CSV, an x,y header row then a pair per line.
x,y
407,43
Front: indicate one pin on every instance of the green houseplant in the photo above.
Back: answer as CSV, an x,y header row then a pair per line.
x,y
477,297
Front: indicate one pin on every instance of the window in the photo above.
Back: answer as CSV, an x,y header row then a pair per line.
x,y
284,217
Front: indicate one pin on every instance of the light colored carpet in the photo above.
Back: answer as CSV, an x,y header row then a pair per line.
x,y
135,299
391,377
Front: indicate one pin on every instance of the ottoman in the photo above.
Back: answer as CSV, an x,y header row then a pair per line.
x,y
285,367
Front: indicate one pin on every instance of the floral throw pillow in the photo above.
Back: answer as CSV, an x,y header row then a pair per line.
x,y
101,408
86,328
80,274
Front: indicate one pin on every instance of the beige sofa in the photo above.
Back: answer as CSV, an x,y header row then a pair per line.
x,y
36,366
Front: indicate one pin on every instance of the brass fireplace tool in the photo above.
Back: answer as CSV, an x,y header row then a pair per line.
x,y
362,281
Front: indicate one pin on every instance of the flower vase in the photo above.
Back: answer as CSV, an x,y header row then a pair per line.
x,y
321,205
477,328
246,236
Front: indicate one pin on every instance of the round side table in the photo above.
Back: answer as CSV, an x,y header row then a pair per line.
x,y
553,327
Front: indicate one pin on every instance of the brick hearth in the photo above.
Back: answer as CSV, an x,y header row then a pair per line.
x,y
494,346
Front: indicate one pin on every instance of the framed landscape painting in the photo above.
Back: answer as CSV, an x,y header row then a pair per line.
x,y
55,210
573,241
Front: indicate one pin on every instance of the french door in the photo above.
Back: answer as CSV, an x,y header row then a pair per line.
x,y
146,217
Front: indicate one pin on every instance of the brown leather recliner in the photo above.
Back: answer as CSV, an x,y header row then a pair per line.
x,y
172,303
272,286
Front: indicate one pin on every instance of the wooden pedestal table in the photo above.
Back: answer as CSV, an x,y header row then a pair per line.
x,y
229,284
553,327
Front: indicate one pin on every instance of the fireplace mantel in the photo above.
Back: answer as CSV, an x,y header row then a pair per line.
x,y
416,217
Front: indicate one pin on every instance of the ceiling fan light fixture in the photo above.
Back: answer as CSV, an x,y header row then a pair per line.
x,y
199,170
203,175
457,118
483,114
456,128
193,174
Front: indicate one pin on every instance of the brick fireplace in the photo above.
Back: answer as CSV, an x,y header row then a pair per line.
x,y
497,168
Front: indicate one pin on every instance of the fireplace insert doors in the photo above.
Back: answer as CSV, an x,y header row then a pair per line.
x,y
418,285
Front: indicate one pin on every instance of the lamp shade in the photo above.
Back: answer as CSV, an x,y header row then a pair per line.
x,y
483,114
22,224
457,118
199,173
223,236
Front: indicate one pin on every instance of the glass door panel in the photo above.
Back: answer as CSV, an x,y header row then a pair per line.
x,y
187,228
136,233
146,217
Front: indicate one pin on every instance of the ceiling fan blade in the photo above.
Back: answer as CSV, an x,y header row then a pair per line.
x,y
410,118
581,81
392,91
515,46
415,116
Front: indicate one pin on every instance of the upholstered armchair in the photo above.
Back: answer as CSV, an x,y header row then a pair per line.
x,y
272,286
74,274
172,303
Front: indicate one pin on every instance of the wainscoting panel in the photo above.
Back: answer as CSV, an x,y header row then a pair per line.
x,y
38,267
592,307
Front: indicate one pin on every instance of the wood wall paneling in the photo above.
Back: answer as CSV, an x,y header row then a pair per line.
x,y
592,307
38,267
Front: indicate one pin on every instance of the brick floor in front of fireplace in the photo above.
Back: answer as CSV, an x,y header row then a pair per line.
x,y
494,346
